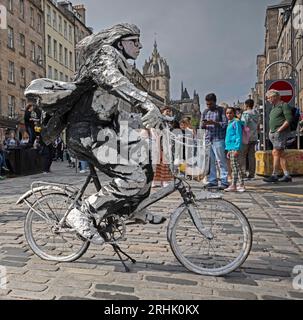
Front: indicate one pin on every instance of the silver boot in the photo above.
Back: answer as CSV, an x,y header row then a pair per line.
x,y
82,222
145,216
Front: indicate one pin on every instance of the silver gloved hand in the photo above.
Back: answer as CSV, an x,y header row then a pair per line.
x,y
153,118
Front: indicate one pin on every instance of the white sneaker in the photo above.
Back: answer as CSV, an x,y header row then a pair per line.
x,y
165,184
83,224
241,189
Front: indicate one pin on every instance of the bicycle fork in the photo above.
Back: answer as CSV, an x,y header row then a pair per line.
x,y
188,199
206,232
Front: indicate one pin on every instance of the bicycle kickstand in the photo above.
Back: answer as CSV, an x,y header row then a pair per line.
x,y
118,250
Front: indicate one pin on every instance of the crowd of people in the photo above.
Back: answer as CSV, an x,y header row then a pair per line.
x,y
232,134
30,138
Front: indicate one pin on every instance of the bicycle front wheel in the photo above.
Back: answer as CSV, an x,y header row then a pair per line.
x,y
225,252
43,235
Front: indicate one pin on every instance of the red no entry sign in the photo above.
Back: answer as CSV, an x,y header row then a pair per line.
x,y
286,89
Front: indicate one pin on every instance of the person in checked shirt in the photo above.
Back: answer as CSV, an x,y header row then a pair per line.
x,y
214,121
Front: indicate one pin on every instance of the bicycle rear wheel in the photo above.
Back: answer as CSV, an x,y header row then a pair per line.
x,y
42,234
231,243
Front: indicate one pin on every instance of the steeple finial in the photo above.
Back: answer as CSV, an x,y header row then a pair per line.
x,y
155,52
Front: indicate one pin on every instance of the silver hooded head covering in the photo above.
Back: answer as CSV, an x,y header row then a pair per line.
x,y
90,44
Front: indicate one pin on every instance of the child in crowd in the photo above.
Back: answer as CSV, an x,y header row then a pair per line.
x,y
25,141
12,141
233,142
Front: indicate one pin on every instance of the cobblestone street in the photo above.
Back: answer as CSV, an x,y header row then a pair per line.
x,y
275,214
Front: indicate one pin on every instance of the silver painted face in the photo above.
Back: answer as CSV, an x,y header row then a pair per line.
x,y
132,47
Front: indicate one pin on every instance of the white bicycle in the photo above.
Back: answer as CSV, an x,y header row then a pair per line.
x,y
207,234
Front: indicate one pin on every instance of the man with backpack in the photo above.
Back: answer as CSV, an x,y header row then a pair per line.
x,y
280,120
214,121
250,117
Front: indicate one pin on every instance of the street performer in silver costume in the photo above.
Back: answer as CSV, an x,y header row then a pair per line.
x,y
98,114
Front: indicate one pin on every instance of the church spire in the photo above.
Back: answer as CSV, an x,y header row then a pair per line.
x,y
155,52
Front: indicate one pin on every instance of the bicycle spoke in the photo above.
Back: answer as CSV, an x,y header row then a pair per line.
x,y
225,251
48,239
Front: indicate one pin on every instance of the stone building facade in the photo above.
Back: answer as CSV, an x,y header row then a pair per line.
x,y
298,47
22,58
59,42
39,42
284,42
77,15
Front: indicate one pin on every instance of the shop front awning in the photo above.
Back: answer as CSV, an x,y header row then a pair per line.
x,y
8,123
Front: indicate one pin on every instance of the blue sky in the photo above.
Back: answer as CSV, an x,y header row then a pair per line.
x,y
211,45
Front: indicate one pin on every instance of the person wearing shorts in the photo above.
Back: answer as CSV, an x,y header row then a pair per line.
x,y
279,124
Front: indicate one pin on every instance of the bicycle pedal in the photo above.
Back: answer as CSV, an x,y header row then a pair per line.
x,y
136,221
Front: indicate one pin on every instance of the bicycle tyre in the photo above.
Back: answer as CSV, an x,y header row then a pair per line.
x,y
43,204
184,237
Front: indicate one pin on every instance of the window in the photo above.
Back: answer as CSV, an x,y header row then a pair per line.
x,y
65,57
33,51
21,8
31,15
10,5
49,15
55,74
39,23
70,60
22,43
54,19
158,85
49,46
61,76
11,72
39,56
60,53
22,77
33,76
77,60
70,33
23,104
10,38
60,24
66,78
50,72
55,50
76,34
65,29
11,106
